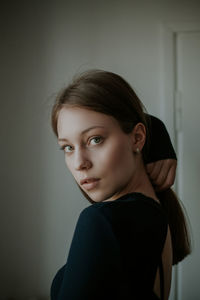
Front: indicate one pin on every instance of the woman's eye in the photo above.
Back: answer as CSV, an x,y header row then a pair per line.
x,y
96,140
67,148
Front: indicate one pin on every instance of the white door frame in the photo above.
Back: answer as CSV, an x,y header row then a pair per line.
x,y
169,32
170,104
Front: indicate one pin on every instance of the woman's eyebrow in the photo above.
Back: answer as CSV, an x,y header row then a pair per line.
x,y
82,133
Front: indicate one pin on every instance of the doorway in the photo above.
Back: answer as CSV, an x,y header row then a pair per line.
x,y
182,74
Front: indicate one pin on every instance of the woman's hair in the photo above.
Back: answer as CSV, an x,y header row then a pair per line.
x,y
110,94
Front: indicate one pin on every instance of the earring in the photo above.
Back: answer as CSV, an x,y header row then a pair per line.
x,y
137,150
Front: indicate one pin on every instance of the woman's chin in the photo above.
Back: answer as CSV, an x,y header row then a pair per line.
x,y
98,196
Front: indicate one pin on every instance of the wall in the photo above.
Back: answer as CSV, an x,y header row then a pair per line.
x,y
43,45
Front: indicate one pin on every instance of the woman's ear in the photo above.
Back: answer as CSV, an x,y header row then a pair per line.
x,y
138,137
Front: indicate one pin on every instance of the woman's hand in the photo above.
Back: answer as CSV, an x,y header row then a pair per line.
x,y
162,173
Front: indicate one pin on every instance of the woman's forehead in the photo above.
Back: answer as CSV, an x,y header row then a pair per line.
x,y
73,120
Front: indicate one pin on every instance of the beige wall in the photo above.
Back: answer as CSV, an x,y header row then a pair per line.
x,y
43,45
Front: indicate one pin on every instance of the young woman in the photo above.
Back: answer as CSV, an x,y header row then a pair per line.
x,y
122,159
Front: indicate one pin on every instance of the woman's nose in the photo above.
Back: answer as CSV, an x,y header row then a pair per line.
x,y
82,161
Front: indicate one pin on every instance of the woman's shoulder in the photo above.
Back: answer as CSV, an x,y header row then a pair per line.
x,y
133,218
133,207
136,201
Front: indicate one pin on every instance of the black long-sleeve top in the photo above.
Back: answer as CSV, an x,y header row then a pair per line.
x,y
117,245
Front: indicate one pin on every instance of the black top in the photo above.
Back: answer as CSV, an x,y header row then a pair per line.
x,y
117,245
160,146
115,251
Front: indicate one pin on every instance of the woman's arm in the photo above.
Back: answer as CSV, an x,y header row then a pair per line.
x,y
91,267
160,145
161,160
162,173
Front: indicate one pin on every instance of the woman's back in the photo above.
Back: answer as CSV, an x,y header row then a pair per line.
x,y
167,269
115,252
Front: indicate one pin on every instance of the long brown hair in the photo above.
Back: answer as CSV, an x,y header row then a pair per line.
x,y
110,94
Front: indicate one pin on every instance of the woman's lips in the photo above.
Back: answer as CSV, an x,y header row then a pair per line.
x,y
91,184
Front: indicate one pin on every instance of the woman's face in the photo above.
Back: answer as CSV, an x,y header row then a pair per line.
x,y
98,153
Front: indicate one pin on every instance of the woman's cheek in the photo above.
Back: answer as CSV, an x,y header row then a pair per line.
x,y
110,157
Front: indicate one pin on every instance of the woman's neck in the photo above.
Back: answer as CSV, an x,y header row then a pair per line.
x,y
139,183
142,184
